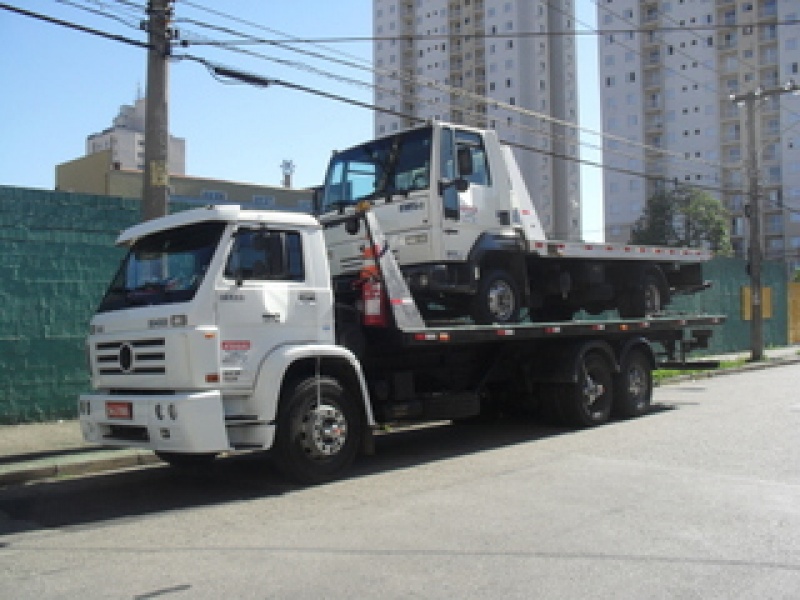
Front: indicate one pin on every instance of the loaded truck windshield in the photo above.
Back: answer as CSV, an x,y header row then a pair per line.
x,y
164,268
394,165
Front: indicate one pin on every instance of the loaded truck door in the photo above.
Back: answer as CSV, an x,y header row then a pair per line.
x,y
467,196
406,207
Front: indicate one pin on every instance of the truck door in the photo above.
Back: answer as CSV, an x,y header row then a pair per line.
x,y
471,211
263,299
405,208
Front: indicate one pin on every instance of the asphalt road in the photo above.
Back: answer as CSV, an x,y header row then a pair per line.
x,y
700,499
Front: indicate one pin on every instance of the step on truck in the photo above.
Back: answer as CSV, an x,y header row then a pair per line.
x,y
221,333
470,242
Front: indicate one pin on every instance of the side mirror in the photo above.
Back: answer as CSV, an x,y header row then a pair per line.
x,y
461,185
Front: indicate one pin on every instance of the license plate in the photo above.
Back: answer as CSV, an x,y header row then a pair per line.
x,y
119,410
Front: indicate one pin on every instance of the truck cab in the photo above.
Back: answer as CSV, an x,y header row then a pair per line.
x,y
192,340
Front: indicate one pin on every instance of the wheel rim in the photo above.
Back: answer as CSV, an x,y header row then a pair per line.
x,y
595,390
323,431
592,391
637,384
501,300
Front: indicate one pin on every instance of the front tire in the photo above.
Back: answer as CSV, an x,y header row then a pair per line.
x,y
318,430
497,300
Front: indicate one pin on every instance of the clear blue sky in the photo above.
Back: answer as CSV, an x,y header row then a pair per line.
x,y
61,85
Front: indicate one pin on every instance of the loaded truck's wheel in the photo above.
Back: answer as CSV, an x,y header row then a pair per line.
x,y
587,402
319,430
647,296
497,300
633,386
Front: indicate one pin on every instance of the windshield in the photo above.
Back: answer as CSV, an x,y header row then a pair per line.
x,y
164,268
394,165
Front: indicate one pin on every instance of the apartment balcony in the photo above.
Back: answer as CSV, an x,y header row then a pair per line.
x,y
767,34
653,81
768,10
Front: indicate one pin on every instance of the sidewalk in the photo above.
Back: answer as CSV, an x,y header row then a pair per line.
x,y
37,451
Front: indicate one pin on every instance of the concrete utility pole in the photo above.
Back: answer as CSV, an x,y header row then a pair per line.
x,y
755,252
155,191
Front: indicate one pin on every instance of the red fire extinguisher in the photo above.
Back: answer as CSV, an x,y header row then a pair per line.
x,y
373,300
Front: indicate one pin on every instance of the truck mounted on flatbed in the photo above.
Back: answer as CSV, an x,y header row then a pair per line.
x,y
470,242
221,332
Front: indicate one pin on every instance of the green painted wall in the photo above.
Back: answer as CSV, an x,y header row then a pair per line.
x,y
728,276
57,254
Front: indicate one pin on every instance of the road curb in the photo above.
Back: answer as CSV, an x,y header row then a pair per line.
x,y
75,467
756,366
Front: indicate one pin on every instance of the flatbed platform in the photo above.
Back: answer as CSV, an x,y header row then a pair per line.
x,y
464,334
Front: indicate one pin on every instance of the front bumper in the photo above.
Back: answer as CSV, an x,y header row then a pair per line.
x,y
186,423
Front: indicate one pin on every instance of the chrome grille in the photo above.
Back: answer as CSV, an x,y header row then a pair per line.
x,y
134,357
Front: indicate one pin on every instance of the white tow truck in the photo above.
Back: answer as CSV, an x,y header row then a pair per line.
x,y
469,241
221,333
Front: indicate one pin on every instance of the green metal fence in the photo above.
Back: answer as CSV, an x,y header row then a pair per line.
x,y
729,277
56,255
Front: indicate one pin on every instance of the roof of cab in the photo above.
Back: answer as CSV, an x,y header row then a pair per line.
x,y
224,212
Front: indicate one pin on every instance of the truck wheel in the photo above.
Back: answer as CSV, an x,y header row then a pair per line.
x,y
497,300
587,402
633,387
647,297
319,430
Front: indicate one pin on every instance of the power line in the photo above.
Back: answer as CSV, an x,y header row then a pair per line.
x,y
221,71
453,91
75,26
101,13
257,80
486,35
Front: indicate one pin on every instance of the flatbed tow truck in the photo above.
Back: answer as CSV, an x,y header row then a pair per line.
x,y
222,333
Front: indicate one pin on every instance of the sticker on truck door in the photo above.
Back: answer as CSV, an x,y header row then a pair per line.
x,y
234,352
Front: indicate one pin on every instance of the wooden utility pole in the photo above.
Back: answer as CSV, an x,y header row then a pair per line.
x,y
155,191
755,252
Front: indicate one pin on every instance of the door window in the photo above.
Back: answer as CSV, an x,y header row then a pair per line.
x,y
260,254
471,142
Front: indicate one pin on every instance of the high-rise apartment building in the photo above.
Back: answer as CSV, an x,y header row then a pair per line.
x,y
125,139
500,64
668,69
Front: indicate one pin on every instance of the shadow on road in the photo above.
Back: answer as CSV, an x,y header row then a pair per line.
x,y
134,493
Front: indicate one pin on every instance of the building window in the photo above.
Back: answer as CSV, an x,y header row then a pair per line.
x,y
263,200
214,196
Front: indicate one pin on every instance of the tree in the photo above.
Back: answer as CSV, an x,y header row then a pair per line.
x,y
684,217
